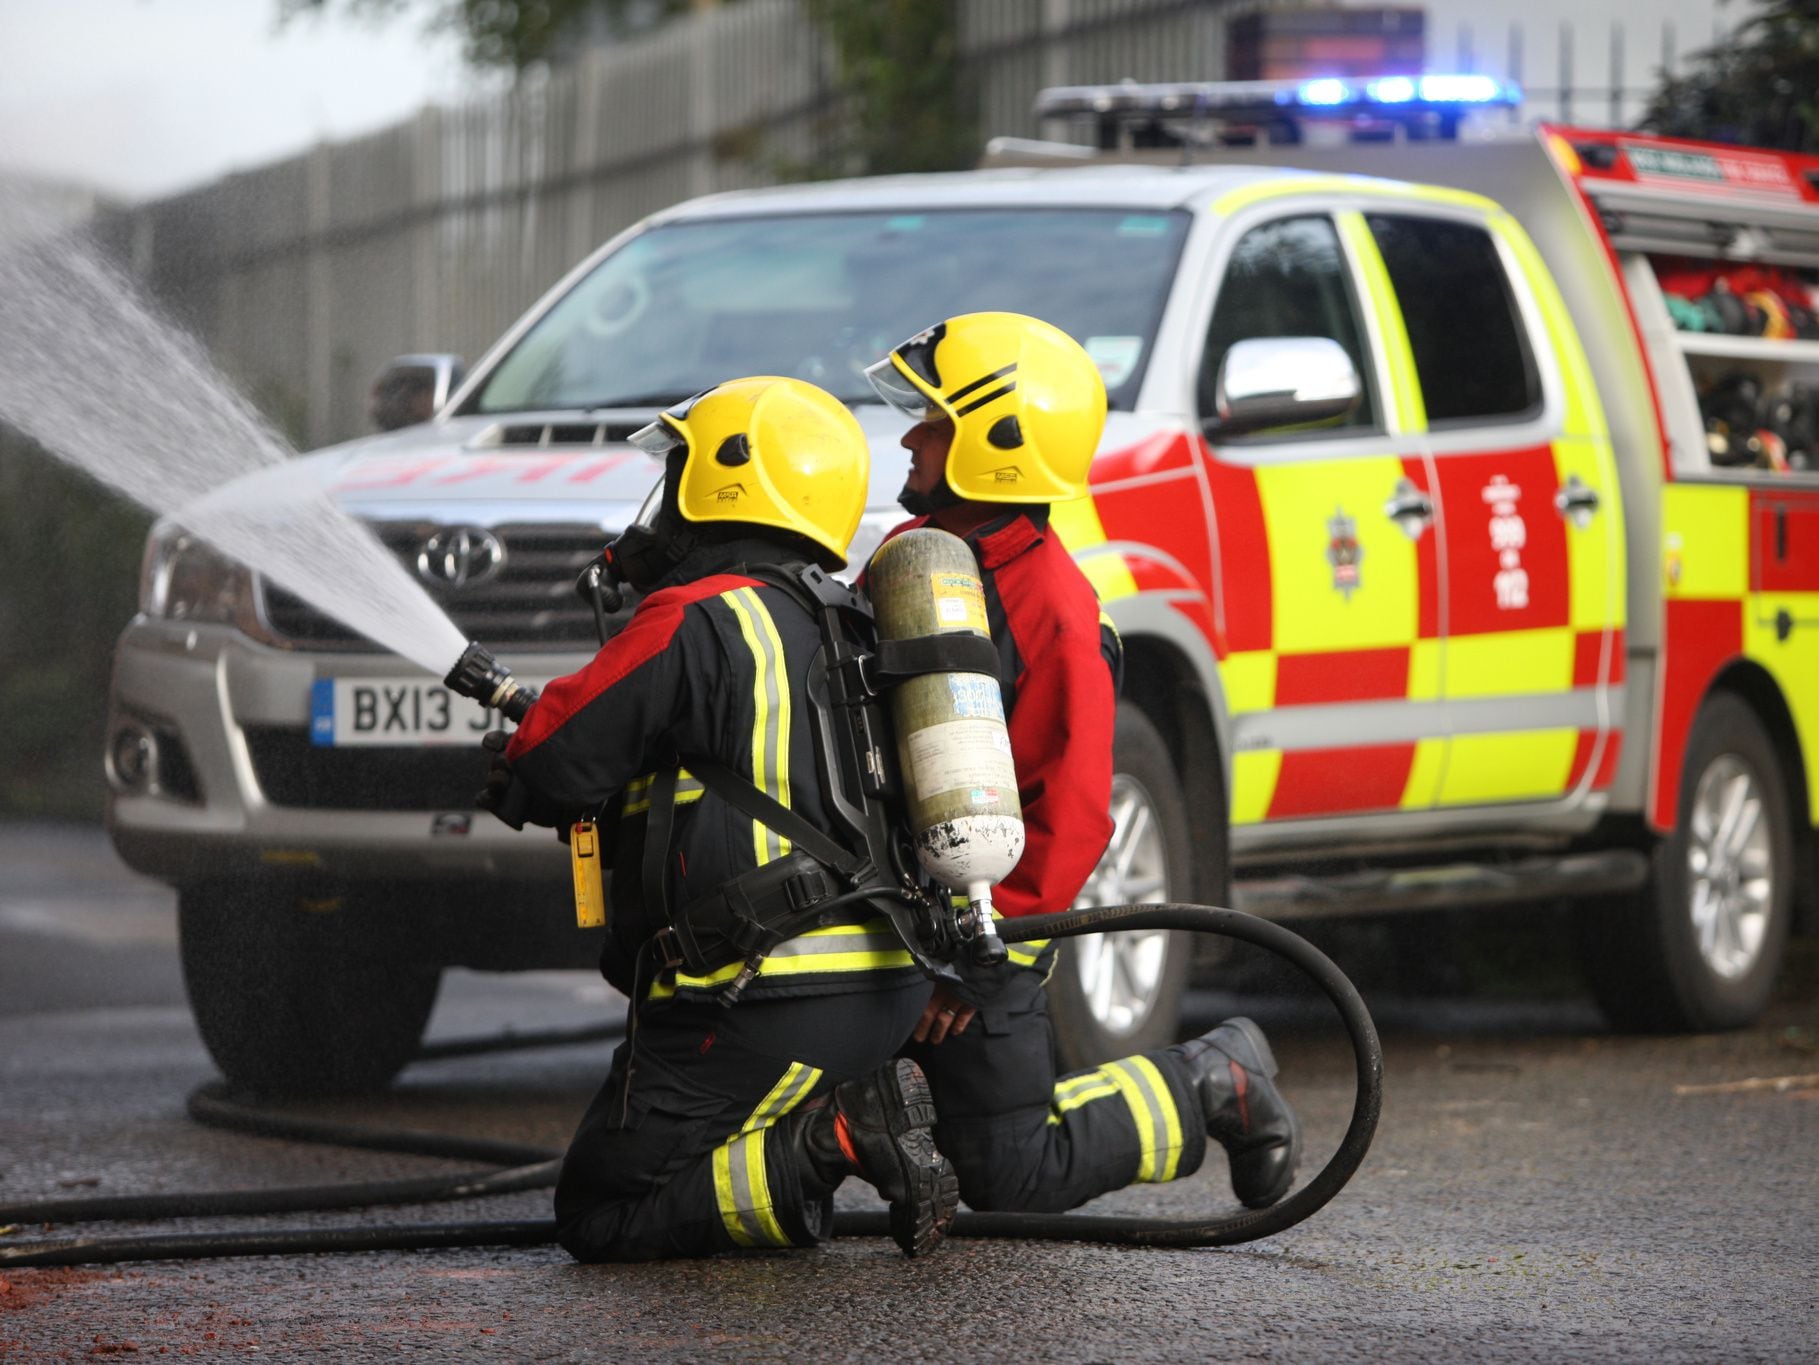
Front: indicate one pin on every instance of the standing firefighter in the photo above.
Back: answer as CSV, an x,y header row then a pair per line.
x,y
729,1127
1008,413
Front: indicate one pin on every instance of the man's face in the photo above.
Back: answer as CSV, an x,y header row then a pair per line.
x,y
927,443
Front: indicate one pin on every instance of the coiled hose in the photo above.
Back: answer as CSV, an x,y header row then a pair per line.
x,y
520,1167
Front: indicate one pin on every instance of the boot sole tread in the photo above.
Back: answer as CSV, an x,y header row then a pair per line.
x,y
920,1221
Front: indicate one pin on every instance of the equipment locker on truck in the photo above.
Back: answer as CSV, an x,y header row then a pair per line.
x,y
1457,507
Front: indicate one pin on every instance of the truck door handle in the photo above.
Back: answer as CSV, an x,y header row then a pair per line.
x,y
1576,501
1409,508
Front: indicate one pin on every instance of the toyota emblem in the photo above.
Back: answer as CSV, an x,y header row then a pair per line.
x,y
458,555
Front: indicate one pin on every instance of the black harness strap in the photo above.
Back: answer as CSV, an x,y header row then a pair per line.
x,y
955,652
657,823
733,789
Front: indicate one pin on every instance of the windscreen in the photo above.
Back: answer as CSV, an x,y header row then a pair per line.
x,y
687,305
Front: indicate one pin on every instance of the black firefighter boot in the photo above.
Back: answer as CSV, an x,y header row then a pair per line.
x,y
1234,1071
881,1128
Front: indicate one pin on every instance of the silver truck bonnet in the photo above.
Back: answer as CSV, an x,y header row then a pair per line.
x,y
465,467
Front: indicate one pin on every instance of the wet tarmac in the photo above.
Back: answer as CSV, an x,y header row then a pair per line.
x,y
1538,1190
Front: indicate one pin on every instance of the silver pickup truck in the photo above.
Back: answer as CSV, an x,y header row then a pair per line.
x,y
311,797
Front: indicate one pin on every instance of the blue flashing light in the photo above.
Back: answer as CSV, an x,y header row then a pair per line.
x,y
1326,92
1459,90
1391,90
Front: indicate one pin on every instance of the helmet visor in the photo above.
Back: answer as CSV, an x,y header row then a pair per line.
x,y
652,507
658,439
902,395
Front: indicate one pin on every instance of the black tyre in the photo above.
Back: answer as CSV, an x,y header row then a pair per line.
x,y
1115,994
1700,946
296,997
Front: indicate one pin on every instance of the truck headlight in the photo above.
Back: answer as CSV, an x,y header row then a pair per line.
x,y
184,579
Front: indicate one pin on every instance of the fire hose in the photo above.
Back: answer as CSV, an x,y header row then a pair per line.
x,y
515,1166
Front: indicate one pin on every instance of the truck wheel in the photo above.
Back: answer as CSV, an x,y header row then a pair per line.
x,y
295,1000
1699,947
1115,994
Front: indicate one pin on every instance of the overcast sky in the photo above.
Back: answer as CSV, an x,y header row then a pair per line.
x,y
141,98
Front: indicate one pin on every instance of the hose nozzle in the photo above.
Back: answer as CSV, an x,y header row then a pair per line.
x,y
479,675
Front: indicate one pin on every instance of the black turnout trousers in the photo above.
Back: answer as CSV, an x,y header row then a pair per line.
x,y
681,1152
1023,1140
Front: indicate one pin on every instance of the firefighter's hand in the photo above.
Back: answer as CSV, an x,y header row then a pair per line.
x,y
945,1013
498,795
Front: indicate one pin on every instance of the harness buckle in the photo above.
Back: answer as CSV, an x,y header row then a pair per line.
x,y
808,888
666,941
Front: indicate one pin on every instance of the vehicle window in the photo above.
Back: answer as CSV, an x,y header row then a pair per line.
x,y
1287,279
1471,350
820,297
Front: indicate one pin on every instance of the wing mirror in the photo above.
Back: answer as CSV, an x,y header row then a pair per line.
x,y
412,389
1269,383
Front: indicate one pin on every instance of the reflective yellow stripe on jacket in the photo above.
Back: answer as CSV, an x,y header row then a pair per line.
x,y
770,713
866,947
638,791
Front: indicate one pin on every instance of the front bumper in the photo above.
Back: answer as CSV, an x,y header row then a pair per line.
x,y
231,721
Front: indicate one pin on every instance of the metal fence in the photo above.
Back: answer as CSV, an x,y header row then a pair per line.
x,y
304,276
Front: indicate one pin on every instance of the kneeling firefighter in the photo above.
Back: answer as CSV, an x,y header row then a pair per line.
x,y
725,1127
1008,412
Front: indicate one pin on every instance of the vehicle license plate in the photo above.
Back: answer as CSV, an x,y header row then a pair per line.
x,y
404,712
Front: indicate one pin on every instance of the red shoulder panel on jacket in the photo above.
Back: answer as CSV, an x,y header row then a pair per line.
x,y
648,633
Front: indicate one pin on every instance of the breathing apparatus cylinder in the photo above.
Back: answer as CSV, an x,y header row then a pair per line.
x,y
959,780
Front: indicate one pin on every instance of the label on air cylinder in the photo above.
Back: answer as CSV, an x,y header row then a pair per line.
x,y
962,755
959,601
976,697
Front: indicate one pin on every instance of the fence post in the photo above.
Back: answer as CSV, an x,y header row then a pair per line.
x,y
1617,73
1515,67
1564,96
1056,16
318,297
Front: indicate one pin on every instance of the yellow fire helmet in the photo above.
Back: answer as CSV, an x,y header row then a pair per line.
x,y
768,451
1026,401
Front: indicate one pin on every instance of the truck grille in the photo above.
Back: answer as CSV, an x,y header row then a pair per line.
x,y
530,600
294,772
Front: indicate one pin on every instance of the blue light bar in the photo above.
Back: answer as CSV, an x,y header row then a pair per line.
x,y
1424,101
1326,93
1330,92
1461,90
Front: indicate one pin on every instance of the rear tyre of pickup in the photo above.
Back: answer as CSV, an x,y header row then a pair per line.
x,y
298,997
1700,945
1115,994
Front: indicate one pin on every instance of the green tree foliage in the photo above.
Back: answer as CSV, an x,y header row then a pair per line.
x,y
898,63
74,548
1760,86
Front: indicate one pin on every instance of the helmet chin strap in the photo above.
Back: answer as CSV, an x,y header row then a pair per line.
x,y
642,555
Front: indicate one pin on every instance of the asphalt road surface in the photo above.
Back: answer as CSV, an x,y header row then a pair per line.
x,y
1539,1188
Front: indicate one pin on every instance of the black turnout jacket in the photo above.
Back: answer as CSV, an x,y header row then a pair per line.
x,y
712,662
